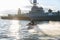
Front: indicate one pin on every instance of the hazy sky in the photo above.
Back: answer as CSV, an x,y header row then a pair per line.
x,y
53,4
14,4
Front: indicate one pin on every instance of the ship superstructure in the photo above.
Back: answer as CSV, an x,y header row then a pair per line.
x,y
38,13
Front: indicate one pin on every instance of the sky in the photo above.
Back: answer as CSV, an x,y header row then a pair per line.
x,y
53,4
15,4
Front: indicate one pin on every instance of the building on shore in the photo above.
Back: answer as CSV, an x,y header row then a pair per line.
x,y
19,11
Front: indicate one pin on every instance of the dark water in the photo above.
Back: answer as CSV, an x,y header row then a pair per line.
x,y
17,30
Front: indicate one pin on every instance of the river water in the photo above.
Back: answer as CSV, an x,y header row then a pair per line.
x,y
17,30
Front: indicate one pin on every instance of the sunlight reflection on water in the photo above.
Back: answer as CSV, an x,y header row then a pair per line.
x,y
16,29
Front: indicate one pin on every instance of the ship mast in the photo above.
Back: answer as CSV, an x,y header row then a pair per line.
x,y
34,2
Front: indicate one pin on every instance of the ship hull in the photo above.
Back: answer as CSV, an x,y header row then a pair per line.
x,y
47,18
41,18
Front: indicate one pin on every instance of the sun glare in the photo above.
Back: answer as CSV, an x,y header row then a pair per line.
x,y
12,4
14,28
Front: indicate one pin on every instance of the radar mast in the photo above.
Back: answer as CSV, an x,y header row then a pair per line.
x,y
34,2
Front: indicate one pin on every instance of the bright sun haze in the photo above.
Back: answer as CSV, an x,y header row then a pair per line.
x,y
12,4
15,4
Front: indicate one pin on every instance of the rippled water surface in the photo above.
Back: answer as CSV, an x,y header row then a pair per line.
x,y
17,30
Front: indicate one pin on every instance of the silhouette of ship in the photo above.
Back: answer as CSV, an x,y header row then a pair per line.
x,y
36,13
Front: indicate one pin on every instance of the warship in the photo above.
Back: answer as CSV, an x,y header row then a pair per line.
x,y
36,13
